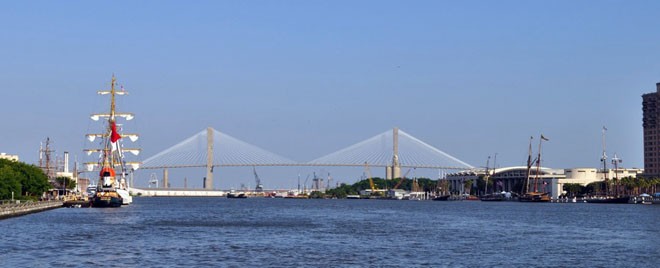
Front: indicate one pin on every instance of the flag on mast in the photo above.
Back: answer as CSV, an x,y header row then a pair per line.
x,y
114,135
544,138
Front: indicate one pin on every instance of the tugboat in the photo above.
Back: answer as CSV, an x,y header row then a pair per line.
x,y
112,189
534,196
106,194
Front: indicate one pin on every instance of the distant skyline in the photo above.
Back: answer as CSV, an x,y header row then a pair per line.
x,y
306,78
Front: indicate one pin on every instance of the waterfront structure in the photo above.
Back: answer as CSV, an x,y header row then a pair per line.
x,y
651,112
584,176
508,179
511,179
9,156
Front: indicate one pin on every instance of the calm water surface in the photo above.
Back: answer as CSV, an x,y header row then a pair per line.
x,y
163,232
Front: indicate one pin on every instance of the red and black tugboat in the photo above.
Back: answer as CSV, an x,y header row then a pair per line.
x,y
106,195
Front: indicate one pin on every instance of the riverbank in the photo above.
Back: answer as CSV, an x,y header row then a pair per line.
x,y
15,210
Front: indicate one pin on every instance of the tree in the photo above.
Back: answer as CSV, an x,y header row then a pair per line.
x,y
32,180
573,189
69,183
468,186
9,183
316,195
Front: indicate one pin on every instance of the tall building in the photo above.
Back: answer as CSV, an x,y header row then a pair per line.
x,y
651,112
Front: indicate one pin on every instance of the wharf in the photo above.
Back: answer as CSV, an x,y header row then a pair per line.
x,y
23,208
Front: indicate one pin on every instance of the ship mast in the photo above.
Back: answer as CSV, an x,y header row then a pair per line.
x,y
109,159
603,159
538,167
529,166
112,99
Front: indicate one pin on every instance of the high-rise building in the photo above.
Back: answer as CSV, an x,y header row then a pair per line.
x,y
651,112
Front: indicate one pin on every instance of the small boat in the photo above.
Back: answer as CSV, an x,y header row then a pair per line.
x,y
644,199
471,198
234,194
76,204
608,200
493,197
441,198
534,197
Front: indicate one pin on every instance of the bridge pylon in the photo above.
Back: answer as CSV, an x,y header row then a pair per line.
x,y
208,183
394,171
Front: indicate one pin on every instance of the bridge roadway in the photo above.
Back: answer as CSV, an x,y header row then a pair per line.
x,y
305,165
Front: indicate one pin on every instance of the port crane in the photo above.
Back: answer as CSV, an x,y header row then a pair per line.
x,y
371,181
402,179
259,188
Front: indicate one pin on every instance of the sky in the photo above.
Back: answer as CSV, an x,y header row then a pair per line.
x,y
307,78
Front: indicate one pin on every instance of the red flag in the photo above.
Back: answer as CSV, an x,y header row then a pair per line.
x,y
114,136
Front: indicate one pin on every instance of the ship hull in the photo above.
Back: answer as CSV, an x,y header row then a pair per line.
x,y
615,200
106,202
534,197
492,197
441,198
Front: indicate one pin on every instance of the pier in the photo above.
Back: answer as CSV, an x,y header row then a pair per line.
x,y
23,208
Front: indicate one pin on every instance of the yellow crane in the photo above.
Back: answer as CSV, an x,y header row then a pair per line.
x,y
371,181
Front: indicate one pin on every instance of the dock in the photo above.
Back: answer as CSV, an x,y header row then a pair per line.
x,y
24,208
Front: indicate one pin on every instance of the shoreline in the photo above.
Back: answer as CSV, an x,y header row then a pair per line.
x,y
16,210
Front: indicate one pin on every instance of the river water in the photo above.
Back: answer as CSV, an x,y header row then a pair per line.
x,y
218,232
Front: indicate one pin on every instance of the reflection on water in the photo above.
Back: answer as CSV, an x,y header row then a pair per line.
x,y
283,232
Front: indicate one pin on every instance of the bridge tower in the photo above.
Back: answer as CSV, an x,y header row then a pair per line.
x,y
394,171
208,183
166,178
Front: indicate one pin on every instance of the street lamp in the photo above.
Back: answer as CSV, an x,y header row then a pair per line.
x,y
616,161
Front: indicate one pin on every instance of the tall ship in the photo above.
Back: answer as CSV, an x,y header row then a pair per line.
x,y
610,196
112,189
533,195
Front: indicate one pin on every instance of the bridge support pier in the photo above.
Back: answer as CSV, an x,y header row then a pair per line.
x,y
396,166
166,178
208,182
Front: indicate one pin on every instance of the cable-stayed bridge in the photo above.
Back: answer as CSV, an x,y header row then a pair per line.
x,y
394,149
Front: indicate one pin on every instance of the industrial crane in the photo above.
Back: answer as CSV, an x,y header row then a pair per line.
x,y
402,179
260,187
371,181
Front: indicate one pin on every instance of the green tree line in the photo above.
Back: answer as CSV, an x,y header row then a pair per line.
x,y
623,186
25,181
425,184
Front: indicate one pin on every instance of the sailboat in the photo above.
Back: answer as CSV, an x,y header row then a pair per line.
x,y
534,196
113,189
442,189
494,196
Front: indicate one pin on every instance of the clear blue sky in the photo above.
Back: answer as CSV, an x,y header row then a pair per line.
x,y
306,78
